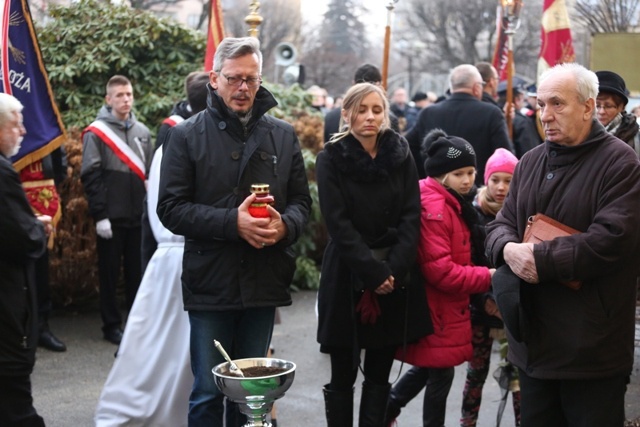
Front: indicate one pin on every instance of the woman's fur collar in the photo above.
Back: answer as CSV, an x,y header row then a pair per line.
x,y
352,160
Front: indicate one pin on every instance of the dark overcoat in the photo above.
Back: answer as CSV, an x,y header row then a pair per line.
x,y
593,187
483,125
369,203
23,240
208,166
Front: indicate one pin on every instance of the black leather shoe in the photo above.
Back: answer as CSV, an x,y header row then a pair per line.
x,y
114,336
51,342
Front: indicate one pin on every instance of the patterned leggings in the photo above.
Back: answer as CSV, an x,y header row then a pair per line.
x,y
477,371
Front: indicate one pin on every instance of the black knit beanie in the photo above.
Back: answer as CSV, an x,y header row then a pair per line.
x,y
444,153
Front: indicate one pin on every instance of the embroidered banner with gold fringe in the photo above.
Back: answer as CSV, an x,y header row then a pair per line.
x,y
23,75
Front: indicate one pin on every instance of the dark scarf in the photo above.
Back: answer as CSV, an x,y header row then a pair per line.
x,y
470,216
627,129
469,213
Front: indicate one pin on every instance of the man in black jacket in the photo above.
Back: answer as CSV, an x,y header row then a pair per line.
x,y
24,241
463,114
237,269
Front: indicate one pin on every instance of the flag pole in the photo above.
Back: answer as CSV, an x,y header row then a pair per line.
x,y
509,83
387,44
253,19
511,12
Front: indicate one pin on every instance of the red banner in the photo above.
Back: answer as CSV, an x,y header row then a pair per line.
x,y
557,45
215,33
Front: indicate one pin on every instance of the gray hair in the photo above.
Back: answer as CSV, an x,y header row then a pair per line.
x,y
231,48
8,106
463,77
586,80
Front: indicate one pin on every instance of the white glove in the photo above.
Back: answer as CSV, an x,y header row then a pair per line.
x,y
103,228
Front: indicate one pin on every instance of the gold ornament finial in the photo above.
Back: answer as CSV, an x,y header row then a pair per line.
x,y
253,19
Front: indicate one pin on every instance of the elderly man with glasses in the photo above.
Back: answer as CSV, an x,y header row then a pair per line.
x,y
236,268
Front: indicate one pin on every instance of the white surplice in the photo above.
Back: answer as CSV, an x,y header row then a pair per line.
x,y
151,379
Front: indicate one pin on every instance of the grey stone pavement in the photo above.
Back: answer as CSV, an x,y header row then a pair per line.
x,y
66,386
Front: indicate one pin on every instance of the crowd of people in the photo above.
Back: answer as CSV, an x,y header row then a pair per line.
x,y
426,204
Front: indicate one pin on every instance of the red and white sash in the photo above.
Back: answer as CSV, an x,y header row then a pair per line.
x,y
119,147
173,120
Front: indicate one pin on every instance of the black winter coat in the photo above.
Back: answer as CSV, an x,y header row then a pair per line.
x,y
209,164
369,203
593,187
23,241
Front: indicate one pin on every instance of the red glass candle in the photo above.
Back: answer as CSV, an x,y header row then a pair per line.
x,y
258,209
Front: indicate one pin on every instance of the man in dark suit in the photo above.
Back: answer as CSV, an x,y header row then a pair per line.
x,y
463,114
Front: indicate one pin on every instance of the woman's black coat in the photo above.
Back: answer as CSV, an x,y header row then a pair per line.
x,y
369,203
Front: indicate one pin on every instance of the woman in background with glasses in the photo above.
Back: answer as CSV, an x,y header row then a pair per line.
x,y
610,104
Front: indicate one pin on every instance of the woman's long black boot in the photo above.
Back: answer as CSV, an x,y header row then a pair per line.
x,y
338,406
373,404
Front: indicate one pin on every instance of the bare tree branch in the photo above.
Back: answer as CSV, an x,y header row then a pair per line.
x,y
456,32
608,16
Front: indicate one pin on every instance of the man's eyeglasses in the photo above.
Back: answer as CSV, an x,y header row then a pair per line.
x,y
237,81
606,107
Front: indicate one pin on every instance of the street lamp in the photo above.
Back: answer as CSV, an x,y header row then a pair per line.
x,y
511,17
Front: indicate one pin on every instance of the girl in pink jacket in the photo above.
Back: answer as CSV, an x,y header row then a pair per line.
x,y
444,255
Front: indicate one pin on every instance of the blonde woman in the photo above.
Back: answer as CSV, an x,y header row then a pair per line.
x,y
369,197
